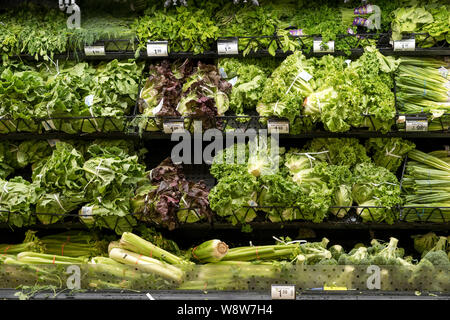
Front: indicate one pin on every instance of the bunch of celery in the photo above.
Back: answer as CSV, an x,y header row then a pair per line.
x,y
106,273
75,244
145,256
426,183
423,86
230,275
30,243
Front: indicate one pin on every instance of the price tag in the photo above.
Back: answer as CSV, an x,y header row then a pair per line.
x,y
89,100
233,81
52,142
48,125
278,126
401,119
173,126
334,288
283,292
94,50
228,46
318,46
305,75
222,73
158,48
405,45
416,125
443,71
86,212
297,32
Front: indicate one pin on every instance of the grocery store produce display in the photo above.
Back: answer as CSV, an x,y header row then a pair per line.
x,y
208,263
343,168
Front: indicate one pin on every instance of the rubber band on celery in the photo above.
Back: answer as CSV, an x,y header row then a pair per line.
x,y
6,250
137,261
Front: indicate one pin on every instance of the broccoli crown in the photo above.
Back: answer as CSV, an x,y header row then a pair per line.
x,y
437,258
327,262
358,257
336,251
390,255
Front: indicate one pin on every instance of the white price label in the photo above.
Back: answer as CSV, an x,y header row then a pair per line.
x,y
277,126
229,46
94,50
405,45
417,125
305,76
48,125
443,71
52,142
222,73
86,212
233,81
173,126
401,119
319,47
283,292
157,49
89,100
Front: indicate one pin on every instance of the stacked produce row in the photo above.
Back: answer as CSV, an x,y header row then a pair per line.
x,y
273,25
133,262
331,94
106,184
80,147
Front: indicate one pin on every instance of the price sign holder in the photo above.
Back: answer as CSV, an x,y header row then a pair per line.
x,y
158,49
283,292
228,46
279,126
97,50
173,126
405,45
416,124
318,46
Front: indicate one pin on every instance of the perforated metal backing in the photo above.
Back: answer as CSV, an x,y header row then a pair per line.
x,y
248,278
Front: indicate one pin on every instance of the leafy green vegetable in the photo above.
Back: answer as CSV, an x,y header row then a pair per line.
x,y
17,200
378,189
389,152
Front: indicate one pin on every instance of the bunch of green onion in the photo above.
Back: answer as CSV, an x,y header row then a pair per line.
x,y
423,86
426,186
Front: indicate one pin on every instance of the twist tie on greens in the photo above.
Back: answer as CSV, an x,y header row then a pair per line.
x,y
390,154
290,242
308,155
93,117
95,174
4,187
59,203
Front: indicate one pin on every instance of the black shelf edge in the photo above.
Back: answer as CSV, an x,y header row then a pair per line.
x,y
214,55
294,225
165,136
184,295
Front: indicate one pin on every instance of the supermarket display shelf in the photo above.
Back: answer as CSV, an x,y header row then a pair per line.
x,y
127,49
273,226
186,295
111,55
167,136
